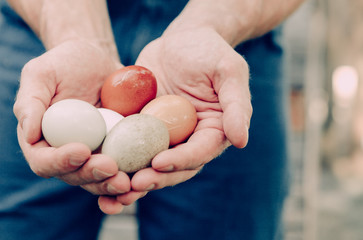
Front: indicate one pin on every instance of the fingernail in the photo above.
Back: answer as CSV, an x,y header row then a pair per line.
x,y
166,169
76,161
100,175
151,187
112,190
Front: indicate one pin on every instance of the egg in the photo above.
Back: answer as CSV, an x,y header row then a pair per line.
x,y
128,89
135,140
177,112
111,117
73,120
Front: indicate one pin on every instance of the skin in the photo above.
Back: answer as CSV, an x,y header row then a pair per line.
x,y
214,78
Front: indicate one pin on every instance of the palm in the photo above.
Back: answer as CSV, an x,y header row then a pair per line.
x,y
202,67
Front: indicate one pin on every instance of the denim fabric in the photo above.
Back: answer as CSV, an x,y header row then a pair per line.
x,y
237,196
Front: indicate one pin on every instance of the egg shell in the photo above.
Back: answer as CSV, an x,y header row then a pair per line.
x,y
128,89
73,120
177,112
111,117
135,140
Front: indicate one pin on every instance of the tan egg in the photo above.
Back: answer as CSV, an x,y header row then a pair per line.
x,y
135,140
178,114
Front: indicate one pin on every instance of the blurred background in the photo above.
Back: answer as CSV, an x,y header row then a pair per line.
x,y
324,63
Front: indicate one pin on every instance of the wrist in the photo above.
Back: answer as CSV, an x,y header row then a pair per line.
x,y
106,46
224,17
86,20
234,20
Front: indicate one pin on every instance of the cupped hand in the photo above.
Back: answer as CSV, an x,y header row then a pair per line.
x,y
74,69
202,67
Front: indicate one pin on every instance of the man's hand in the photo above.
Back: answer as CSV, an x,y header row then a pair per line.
x,y
71,68
74,69
202,67
195,58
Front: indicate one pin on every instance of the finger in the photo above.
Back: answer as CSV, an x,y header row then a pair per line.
x,y
130,197
99,167
203,146
46,161
36,90
117,184
148,179
232,86
109,205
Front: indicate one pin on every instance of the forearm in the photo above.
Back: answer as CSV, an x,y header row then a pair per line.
x,y
235,20
57,21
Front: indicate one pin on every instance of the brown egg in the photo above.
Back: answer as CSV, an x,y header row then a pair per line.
x,y
178,114
128,89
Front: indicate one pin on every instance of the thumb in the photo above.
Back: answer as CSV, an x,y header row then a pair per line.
x,y
33,98
232,87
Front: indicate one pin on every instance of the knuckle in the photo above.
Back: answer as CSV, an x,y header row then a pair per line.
x,y
17,109
31,66
39,171
39,68
232,63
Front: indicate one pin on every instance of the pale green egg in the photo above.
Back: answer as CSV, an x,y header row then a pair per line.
x,y
135,140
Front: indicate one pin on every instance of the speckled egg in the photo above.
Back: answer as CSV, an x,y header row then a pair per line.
x,y
135,140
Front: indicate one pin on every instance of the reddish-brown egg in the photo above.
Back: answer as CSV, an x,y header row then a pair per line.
x,y
178,114
127,90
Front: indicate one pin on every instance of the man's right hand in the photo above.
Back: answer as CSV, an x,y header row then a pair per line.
x,y
74,69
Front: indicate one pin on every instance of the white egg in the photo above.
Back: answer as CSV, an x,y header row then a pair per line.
x,y
111,117
135,141
73,120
